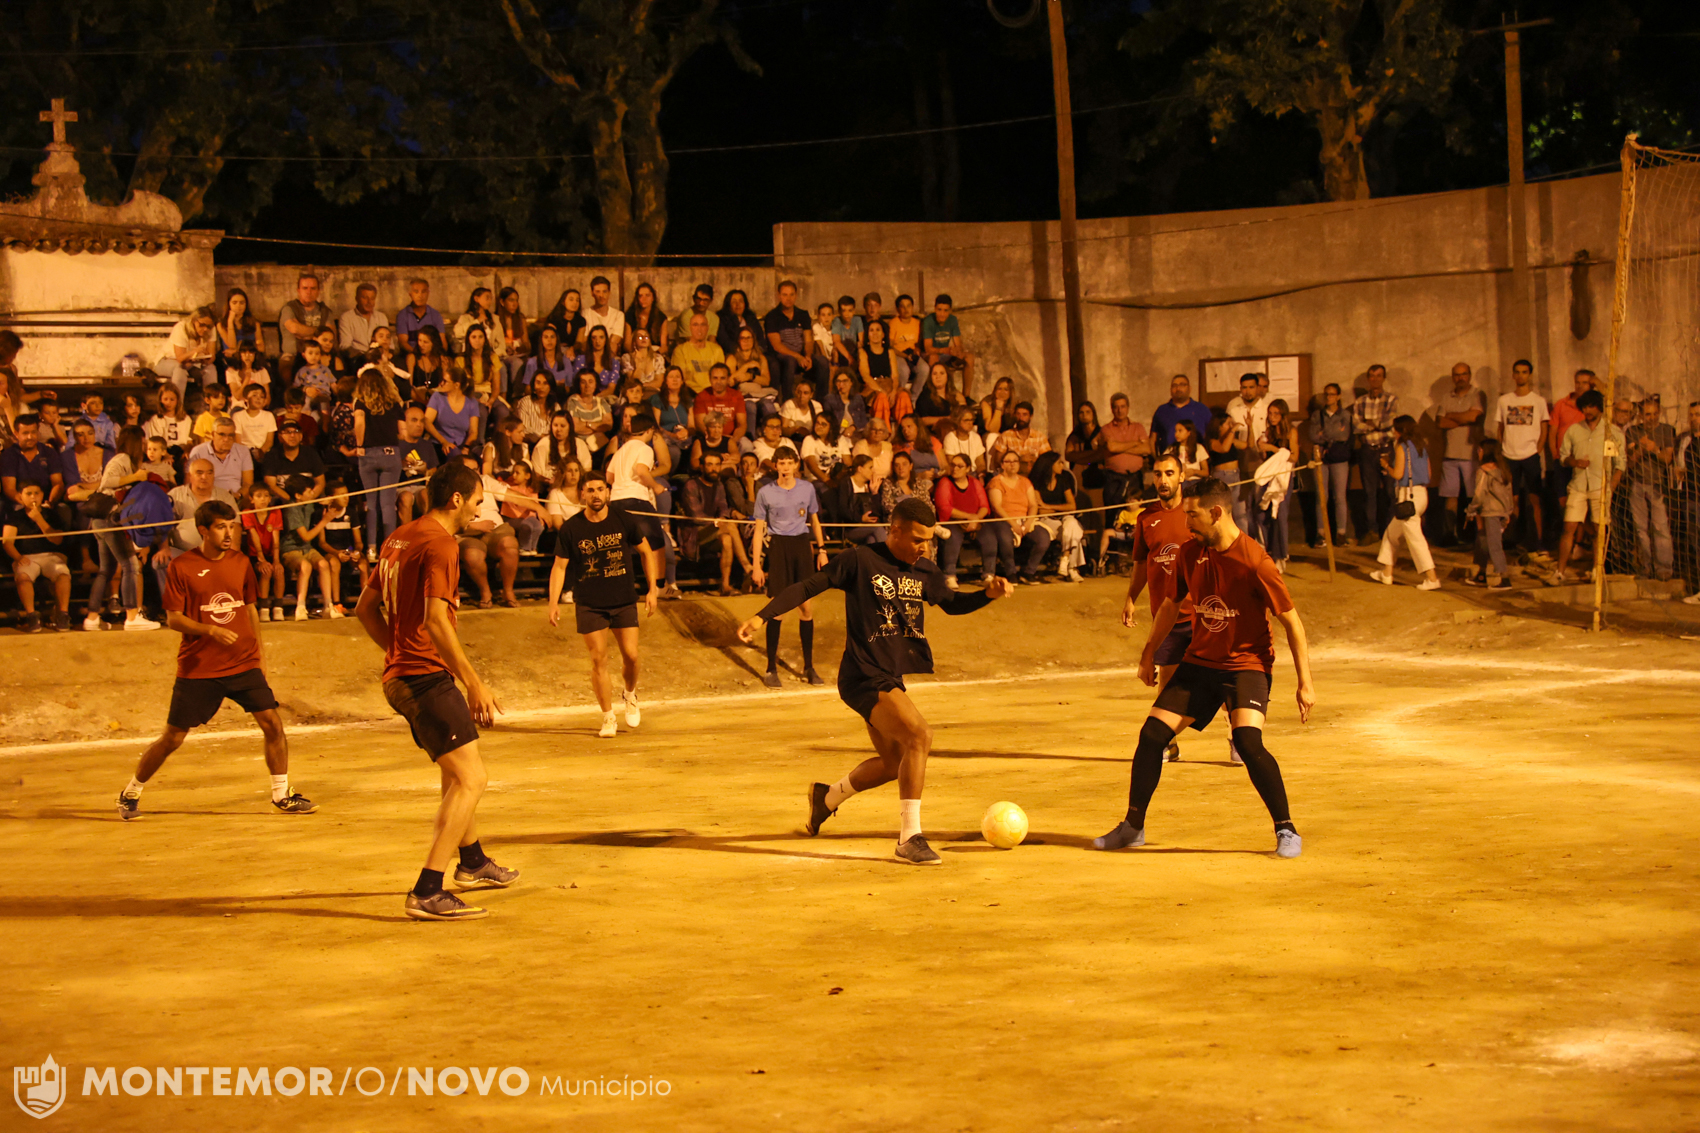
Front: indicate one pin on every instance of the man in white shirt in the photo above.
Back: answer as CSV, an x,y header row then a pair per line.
x,y
1521,420
965,439
633,487
354,329
600,314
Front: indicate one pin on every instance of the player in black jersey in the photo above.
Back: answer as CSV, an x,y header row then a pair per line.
x,y
887,588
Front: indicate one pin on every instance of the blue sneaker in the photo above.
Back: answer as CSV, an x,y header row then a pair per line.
x,y
1123,837
1288,844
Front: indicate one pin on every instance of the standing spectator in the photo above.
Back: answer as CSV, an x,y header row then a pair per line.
x,y
1492,503
171,424
599,314
1179,407
1372,430
697,355
645,315
1273,497
961,502
1651,446
1331,436
1126,446
1522,425
292,457
1593,451
734,318
701,299
1055,487
1022,440
26,462
378,418
512,331
480,312
997,409
1461,413
824,449
704,501
418,313
34,546
1086,448
452,416
122,471
964,440
787,512
566,317
1249,413
1686,469
941,342
255,426
298,319
233,464
1407,467
1014,500
236,326
788,332
194,346
356,326
1564,414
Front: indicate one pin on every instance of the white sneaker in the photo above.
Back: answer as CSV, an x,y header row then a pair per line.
x,y
1429,584
265,613
609,726
634,715
567,597
334,611
1385,578
140,622
301,612
950,582
92,623
1691,600
1073,576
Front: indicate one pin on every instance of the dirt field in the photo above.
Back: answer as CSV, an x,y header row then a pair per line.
x,y
1492,926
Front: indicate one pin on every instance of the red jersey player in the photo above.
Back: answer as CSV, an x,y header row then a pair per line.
x,y
1158,536
1234,587
210,598
408,608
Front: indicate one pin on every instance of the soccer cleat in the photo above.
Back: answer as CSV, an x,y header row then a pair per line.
x,y
1234,754
819,812
609,725
1288,844
295,803
1123,837
770,679
634,714
487,876
443,906
129,807
812,677
917,852
1172,753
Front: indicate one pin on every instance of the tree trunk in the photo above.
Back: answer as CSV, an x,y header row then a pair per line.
x,y
646,158
613,181
153,163
1342,155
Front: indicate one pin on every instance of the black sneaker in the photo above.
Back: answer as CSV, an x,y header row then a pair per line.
x,y
62,621
487,876
1502,584
295,803
29,623
128,807
819,812
444,906
771,680
1475,580
812,677
1172,753
917,852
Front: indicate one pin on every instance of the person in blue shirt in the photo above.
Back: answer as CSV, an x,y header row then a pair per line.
x,y
941,343
789,511
418,313
1179,407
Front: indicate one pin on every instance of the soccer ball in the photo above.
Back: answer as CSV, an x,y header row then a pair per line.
x,y
1004,825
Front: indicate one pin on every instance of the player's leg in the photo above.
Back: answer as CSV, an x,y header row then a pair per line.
x,y
284,799
1247,725
626,637
806,631
463,781
906,735
596,646
771,677
153,757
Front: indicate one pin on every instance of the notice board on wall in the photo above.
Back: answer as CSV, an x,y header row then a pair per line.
x,y
1288,374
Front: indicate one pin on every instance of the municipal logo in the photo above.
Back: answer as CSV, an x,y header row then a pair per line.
x,y
39,1090
883,586
1166,553
222,607
1213,613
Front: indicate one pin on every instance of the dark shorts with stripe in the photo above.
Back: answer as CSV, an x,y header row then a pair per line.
x,y
195,700
790,559
1173,647
1200,692
435,710
591,619
862,692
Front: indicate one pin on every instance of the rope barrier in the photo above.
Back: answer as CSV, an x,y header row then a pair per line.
x,y
256,511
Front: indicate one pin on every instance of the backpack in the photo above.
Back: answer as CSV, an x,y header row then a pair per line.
x,y
146,502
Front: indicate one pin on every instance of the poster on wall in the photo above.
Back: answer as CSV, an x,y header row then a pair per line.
x,y
1284,378
1224,376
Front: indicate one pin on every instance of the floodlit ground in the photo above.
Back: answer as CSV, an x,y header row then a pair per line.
x,y
1492,926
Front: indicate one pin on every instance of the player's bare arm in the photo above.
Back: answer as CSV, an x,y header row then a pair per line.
x,y
650,556
181,624
439,624
557,579
1135,586
1300,646
370,611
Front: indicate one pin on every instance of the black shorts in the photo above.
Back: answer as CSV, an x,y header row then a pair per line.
x,y
1173,647
1526,476
1200,692
591,619
790,559
862,692
435,710
650,525
195,700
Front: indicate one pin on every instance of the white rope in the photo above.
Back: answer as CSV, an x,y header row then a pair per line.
x,y
256,511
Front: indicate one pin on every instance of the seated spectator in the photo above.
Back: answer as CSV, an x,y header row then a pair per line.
x,y
295,409
236,326
939,400
198,488
885,398
704,500
329,354
846,407
736,317
848,329
671,408
629,393
697,355
453,416
961,502
799,411
303,546
245,371
644,315
194,345
159,463
1013,499
105,432
852,496
611,319
312,375
34,545
560,447
742,484
171,424
965,440
645,362
480,312
566,319
871,315
52,430
82,464
299,319
262,537
768,444
902,484
824,449
790,342
903,332
714,439
26,462
550,357
1651,449
357,325
997,409
522,508
290,457
543,399
752,377
922,447
482,365
418,314
513,334
418,461
876,445
1055,486
216,400
233,464
427,367
131,412
1026,442
563,502
599,359
941,343
255,427
680,328
824,348
721,401
592,416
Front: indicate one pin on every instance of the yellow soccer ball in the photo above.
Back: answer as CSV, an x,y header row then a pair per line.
x,y
1004,825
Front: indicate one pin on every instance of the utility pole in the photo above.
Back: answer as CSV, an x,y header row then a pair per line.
x,y
1076,328
1521,332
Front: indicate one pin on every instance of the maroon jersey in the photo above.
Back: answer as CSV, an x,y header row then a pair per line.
x,y
216,592
1233,593
1159,535
419,561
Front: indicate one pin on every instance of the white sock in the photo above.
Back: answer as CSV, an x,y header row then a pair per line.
x,y
909,811
631,694
280,787
134,790
839,792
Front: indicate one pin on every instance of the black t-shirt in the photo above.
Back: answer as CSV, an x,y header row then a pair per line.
x,y
930,404
599,559
795,332
307,461
1054,496
381,427
884,611
30,540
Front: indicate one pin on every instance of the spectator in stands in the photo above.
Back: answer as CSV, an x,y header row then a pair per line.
x,y
559,446
825,349
51,430
295,409
1249,413
299,318
752,377
550,358
847,330
645,361
291,456
194,345
130,412
490,536
1459,418
876,445
592,416
1331,435
1593,451
418,461
1126,447
885,396
355,326
679,329
704,500
94,410
198,488
34,546
484,371
799,412
871,314
939,400
941,342
852,496
171,424
329,354
427,367
1651,447
255,426
964,440
633,486
721,401
904,335
1179,407
1522,424
235,326
26,462
246,371
453,416
847,408
824,449
122,471
563,501
1373,414
81,468
736,317
997,409
1492,503
233,465
697,355
1022,439
522,508
645,315
901,485
1014,500
961,497
715,439
601,314
788,333
923,448
742,482
767,445
302,546
312,375
513,332
566,317
599,358
1055,486
541,402
262,541
671,407
159,461
378,418
1406,468
1224,453
419,313
480,311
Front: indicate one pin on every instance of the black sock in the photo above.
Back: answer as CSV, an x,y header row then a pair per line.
x,y
773,646
807,630
1265,774
472,856
430,883
1147,769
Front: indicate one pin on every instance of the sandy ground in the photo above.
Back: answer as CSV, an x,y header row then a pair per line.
x,y
1491,928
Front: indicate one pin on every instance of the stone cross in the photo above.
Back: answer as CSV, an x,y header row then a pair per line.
x,y
58,116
